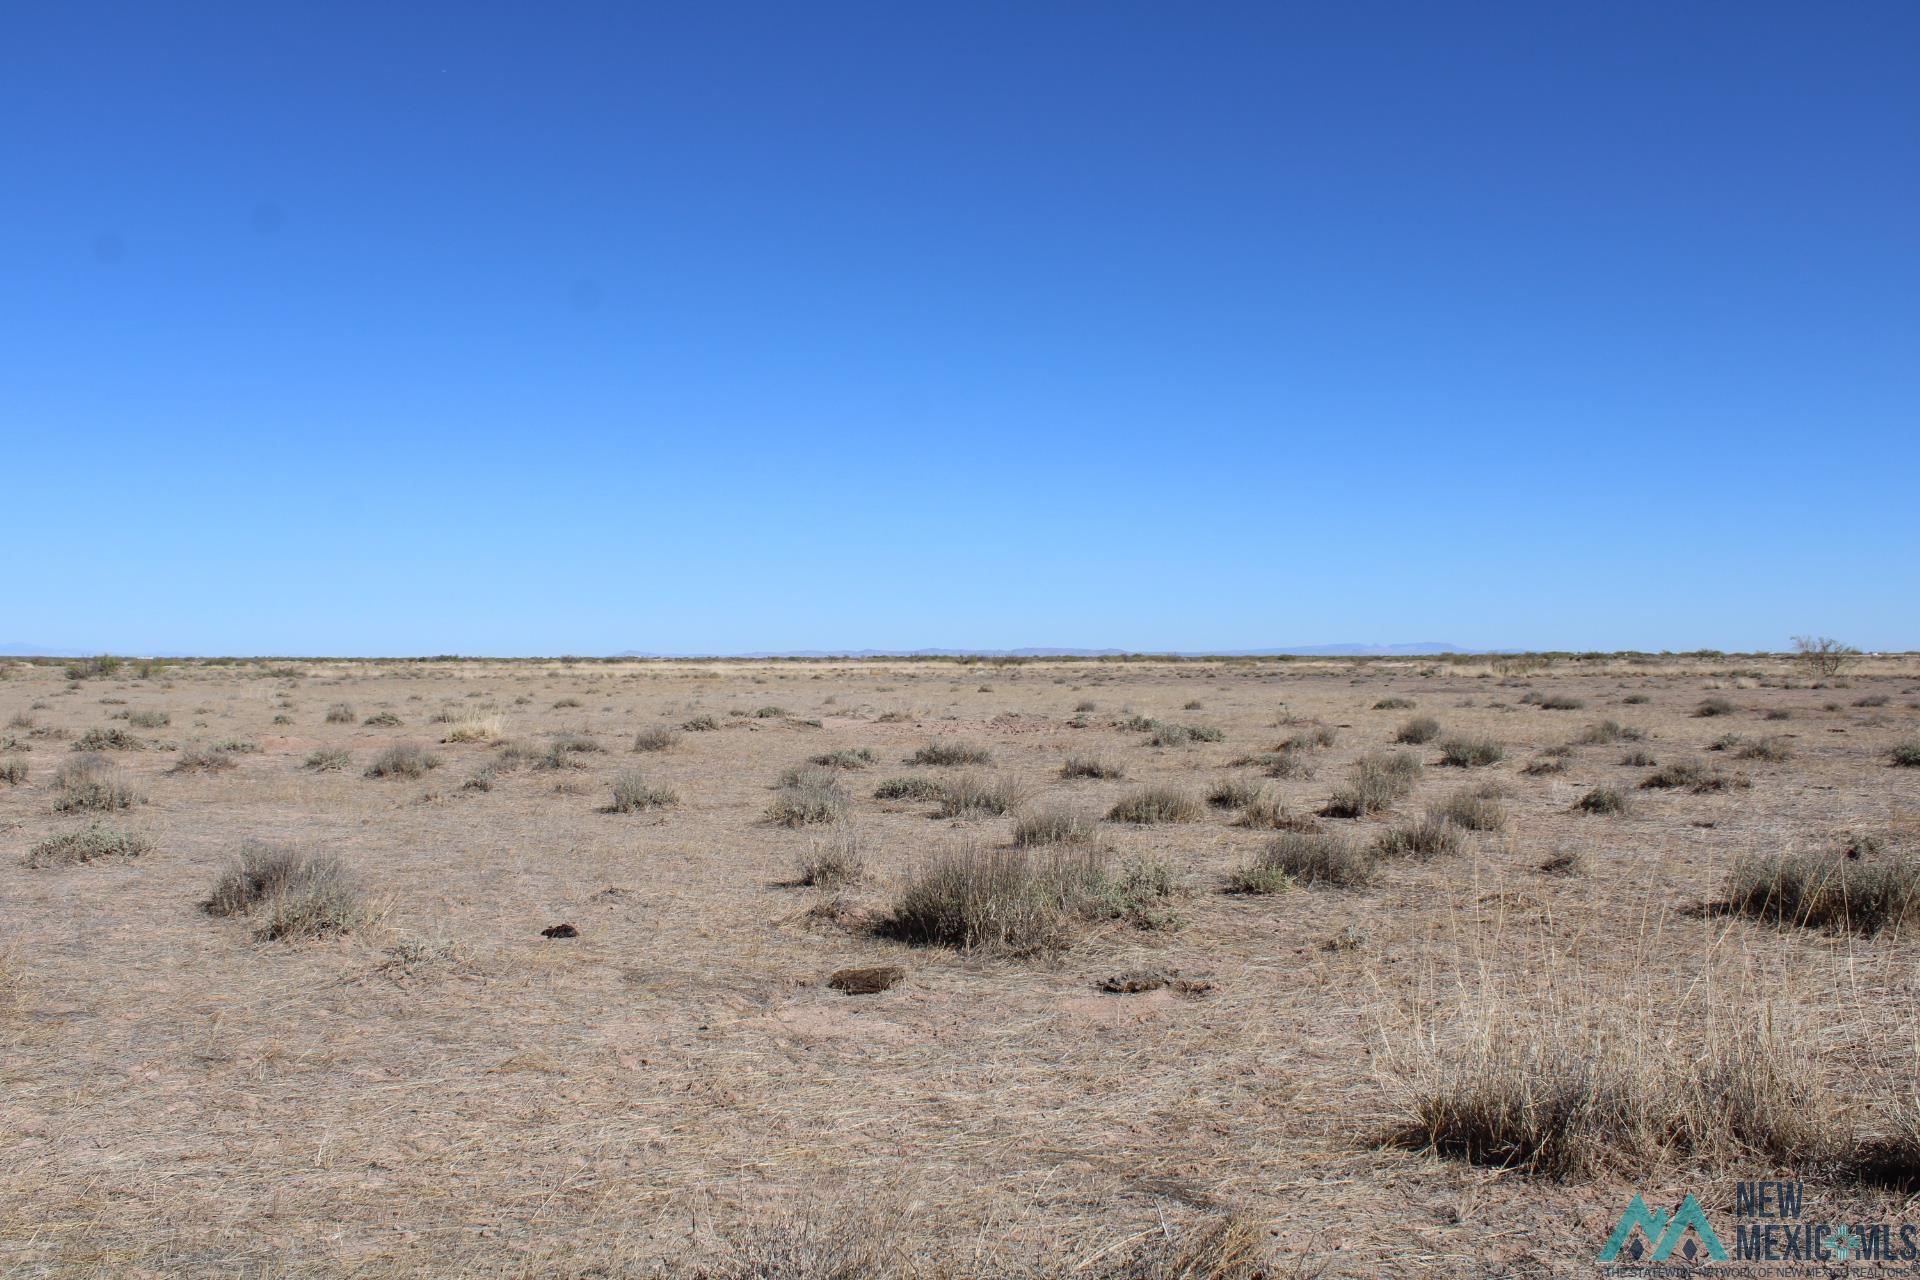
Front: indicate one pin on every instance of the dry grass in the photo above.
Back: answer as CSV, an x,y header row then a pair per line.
x,y
947,752
645,1097
403,760
807,797
1374,784
288,894
474,726
89,844
978,795
1827,890
632,793
1088,766
1157,804
88,782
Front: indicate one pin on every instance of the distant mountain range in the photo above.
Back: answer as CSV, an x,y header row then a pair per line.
x,y
1302,651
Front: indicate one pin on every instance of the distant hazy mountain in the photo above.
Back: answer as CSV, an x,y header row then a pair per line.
x,y
1304,651
18,650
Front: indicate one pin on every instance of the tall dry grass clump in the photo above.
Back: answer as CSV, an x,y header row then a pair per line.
x,y
88,782
806,797
1023,901
288,893
1835,890
976,795
1375,783
474,726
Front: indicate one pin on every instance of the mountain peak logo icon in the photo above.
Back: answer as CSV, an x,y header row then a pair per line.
x,y
1663,1233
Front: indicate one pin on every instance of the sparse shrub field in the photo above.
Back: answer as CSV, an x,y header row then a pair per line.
x,y
1130,970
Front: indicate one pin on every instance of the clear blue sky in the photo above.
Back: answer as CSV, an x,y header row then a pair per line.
x,y
517,328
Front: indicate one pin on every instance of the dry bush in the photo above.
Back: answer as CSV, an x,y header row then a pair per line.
x,y
289,894
383,720
340,713
806,797
1160,803
656,739
13,770
1162,734
909,786
1375,783
1474,809
1418,730
198,759
1268,812
1709,707
1840,890
1300,857
1603,800
88,844
1430,837
976,795
1773,750
701,724
632,793
1610,731
1012,900
1394,704
329,760
1058,825
846,758
108,740
946,751
403,760
1315,739
835,861
1562,1096
149,719
89,782
1079,766
1692,776
1234,793
1639,760
1906,755
474,726
1472,753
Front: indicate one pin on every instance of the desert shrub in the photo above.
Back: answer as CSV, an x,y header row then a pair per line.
x,y
403,760
102,667
1872,700
289,894
1394,704
13,770
1161,803
1777,713
1084,706
835,861
1636,699
149,719
1603,800
848,758
1267,812
1375,783
1714,707
1542,767
657,739
1826,890
1430,837
1773,749
473,726
1725,742
329,760
1471,753
1056,825
86,845
1015,900
1179,735
1233,793
1082,766
701,724
383,720
946,751
340,713
89,782
808,797
1639,760
908,786
197,759
1610,731
1311,859
1142,894
108,740
1316,738
1277,764
1472,810
976,795
481,779
772,713
1906,755
1560,702
566,704
632,793
1572,1101
1689,775
1418,730
1258,877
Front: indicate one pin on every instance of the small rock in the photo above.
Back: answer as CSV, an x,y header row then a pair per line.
x,y
866,982
560,931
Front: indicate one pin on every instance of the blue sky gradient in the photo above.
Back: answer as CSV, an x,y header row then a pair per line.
x,y
508,329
